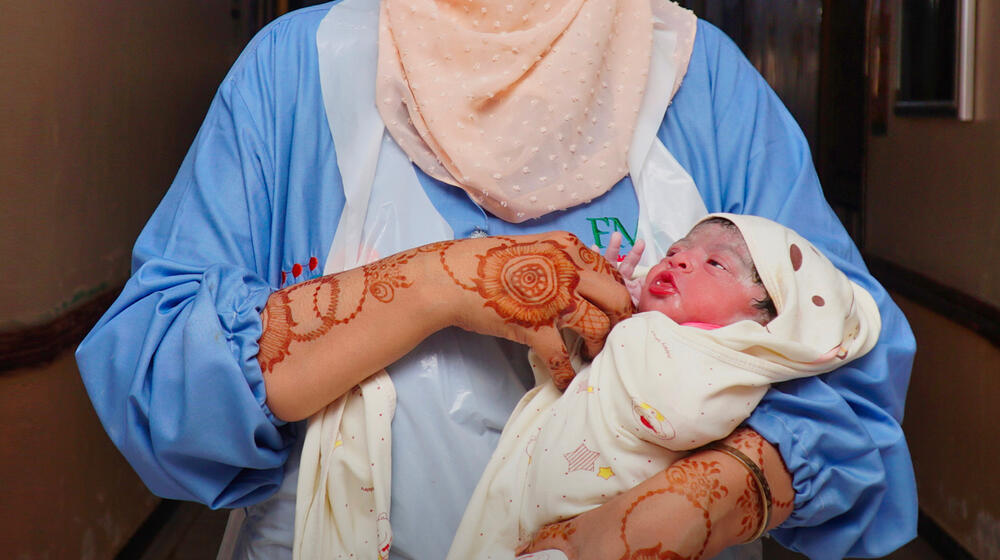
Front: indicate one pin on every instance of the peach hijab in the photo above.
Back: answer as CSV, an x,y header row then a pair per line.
x,y
529,106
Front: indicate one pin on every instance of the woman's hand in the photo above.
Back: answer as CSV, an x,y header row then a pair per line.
x,y
699,506
528,288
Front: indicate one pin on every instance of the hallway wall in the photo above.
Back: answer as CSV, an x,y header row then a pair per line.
x,y
99,101
102,100
933,201
934,185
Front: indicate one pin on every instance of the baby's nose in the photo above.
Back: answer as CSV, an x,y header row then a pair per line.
x,y
680,260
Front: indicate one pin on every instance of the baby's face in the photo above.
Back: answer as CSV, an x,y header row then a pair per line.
x,y
706,277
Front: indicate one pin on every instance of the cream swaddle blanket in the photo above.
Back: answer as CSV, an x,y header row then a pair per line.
x,y
659,389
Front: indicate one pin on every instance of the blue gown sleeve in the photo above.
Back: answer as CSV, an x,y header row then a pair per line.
x,y
839,434
171,367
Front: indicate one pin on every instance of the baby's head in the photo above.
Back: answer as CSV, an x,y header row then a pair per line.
x,y
730,268
708,277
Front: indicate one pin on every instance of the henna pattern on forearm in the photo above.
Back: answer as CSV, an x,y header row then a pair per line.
x,y
657,553
383,277
561,531
750,507
696,481
749,503
751,443
281,327
529,283
746,438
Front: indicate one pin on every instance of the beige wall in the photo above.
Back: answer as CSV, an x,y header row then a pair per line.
x,y
933,206
934,185
951,425
66,491
99,101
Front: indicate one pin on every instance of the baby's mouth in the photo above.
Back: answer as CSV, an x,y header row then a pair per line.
x,y
663,284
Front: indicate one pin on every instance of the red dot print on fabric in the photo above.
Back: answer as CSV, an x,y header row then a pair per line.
x,y
795,254
297,270
818,301
313,263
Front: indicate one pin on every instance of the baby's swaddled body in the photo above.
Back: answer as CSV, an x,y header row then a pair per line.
x,y
655,391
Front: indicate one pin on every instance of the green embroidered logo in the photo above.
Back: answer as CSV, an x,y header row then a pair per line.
x,y
610,225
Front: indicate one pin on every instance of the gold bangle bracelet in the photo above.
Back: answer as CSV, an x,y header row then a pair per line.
x,y
758,475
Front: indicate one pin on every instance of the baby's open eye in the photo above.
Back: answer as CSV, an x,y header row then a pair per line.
x,y
716,264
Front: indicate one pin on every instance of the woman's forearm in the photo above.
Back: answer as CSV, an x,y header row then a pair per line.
x,y
323,336
696,508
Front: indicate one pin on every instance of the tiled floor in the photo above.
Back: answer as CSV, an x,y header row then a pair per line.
x,y
195,532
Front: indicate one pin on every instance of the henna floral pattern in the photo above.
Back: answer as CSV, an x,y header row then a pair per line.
x,y
558,366
656,553
751,443
651,552
698,482
750,506
281,326
274,340
589,321
599,263
557,531
383,277
528,283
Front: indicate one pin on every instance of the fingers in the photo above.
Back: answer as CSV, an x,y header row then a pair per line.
x,y
548,345
608,293
556,536
614,247
627,266
592,324
600,285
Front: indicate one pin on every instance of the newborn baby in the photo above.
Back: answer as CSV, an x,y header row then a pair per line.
x,y
739,303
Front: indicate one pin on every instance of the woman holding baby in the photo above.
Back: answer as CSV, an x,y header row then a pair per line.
x,y
340,238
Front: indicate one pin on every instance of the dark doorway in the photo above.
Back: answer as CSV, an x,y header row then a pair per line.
x,y
812,52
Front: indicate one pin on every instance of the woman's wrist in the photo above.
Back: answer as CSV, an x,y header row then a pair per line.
x,y
757,494
438,301
750,517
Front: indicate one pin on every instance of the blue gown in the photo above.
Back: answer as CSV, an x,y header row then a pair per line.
x,y
171,367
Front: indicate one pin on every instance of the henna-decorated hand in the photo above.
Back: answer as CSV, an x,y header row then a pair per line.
x,y
528,288
692,510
